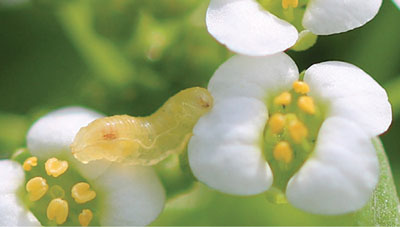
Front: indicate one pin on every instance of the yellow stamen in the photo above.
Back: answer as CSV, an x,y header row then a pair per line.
x,y
36,188
81,192
301,87
283,99
291,3
58,211
29,163
297,130
55,167
85,217
283,152
306,103
277,123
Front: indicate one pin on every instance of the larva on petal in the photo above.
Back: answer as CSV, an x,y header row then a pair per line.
x,y
143,140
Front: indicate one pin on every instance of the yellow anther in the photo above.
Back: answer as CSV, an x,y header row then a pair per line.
x,y
58,211
29,163
306,103
55,167
81,192
36,188
291,3
283,152
277,123
298,131
283,99
85,217
301,87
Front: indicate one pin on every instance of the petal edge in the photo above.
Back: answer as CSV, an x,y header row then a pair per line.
x,y
245,28
325,17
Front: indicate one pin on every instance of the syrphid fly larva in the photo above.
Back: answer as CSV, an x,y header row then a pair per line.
x,y
143,140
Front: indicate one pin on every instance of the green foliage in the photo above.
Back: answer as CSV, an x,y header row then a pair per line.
x,y
12,133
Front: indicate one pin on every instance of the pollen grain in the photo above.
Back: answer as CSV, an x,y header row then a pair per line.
x,y
29,163
277,123
36,188
82,193
298,131
58,211
306,104
301,87
283,152
55,167
85,217
283,99
290,3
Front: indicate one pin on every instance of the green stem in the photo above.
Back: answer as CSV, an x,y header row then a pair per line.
x,y
102,55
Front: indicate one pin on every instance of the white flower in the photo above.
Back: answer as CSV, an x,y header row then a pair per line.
x,y
246,28
117,195
262,134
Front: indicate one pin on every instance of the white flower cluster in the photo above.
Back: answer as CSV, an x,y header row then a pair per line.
x,y
305,135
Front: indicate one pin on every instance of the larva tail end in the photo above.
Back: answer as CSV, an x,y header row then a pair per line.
x,y
79,148
104,138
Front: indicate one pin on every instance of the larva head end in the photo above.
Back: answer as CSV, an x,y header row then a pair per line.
x,y
198,99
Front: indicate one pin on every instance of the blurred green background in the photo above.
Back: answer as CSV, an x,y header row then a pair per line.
x,y
128,57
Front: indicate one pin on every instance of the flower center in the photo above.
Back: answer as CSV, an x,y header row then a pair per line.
x,y
56,193
291,11
291,132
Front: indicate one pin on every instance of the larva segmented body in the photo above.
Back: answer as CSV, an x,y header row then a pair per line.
x,y
143,140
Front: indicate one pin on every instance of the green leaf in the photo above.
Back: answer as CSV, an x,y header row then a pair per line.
x,y
383,207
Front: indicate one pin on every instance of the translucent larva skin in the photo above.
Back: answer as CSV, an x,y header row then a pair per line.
x,y
143,140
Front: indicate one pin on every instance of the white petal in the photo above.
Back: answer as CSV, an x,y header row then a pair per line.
x,y
397,2
12,212
244,27
91,170
11,176
225,151
352,94
52,134
341,174
256,77
324,17
133,195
